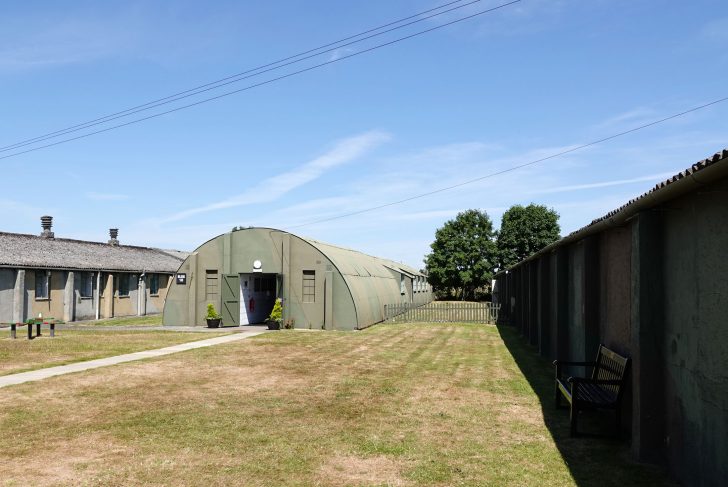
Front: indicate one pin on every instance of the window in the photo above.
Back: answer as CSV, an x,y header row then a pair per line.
x,y
102,280
86,288
211,284
153,284
42,283
309,287
123,285
402,286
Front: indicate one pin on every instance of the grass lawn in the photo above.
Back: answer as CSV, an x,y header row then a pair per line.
x,y
400,405
68,346
150,320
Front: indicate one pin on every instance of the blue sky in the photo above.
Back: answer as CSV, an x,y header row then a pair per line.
x,y
502,89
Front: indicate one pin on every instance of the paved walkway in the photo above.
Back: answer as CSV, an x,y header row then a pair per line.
x,y
9,380
192,329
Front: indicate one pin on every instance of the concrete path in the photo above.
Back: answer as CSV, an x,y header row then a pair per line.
x,y
9,380
191,329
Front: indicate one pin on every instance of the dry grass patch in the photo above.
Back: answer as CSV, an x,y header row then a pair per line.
x,y
392,405
148,320
354,470
71,346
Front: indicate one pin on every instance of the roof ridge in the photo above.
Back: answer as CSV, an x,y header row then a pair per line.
x,y
92,242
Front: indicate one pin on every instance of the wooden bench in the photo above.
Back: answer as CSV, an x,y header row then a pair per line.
x,y
604,390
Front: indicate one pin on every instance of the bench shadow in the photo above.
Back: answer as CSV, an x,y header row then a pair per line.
x,y
594,458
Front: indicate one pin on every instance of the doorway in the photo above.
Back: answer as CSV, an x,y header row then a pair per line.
x,y
258,295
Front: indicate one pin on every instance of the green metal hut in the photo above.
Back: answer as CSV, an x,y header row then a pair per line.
x,y
322,286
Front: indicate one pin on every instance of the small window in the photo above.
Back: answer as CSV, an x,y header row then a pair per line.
x,y
86,289
42,283
211,284
309,287
123,285
154,284
402,286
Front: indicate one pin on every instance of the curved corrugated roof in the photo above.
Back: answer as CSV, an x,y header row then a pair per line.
x,y
370,279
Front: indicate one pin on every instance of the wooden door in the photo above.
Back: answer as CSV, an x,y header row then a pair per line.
x,y
231,300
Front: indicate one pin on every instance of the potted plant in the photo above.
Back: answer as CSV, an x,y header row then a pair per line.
x,y
276,316
212,317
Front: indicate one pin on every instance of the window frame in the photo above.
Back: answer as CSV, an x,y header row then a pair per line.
x,y
154,284
46,286
212,284
102,285
123,285
308,286
86,284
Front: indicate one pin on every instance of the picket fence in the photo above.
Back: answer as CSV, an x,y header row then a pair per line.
x,y
442,312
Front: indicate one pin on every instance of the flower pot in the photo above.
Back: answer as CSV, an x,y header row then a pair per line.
x,y
214,323
274,325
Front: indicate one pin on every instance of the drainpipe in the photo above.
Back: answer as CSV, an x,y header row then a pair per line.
x,y
98,295
142,295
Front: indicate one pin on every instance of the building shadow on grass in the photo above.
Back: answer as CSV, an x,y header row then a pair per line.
x,y
592,461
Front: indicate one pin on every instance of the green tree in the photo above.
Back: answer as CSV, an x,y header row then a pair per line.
x,y
525,230
463,254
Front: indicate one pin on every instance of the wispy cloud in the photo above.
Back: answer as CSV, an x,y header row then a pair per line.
x,y
343,152
339,53
633,117
106,196
56,41
604,184
716,30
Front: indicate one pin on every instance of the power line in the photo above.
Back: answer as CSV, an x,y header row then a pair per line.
x,y
268,81
250,73
513,168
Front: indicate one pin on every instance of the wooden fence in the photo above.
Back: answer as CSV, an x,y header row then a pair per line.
x,y
442,312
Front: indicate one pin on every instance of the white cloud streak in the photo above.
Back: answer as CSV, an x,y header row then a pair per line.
x,y
271,189
604,184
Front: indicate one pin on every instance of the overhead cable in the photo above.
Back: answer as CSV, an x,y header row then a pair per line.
x,y
512,168
250,73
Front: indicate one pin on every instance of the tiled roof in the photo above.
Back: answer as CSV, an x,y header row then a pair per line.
x,y
30,251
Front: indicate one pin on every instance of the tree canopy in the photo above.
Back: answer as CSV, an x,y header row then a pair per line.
x,y
525,230
463,254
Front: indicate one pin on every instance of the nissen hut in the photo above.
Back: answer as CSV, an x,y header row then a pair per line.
x,y
322,286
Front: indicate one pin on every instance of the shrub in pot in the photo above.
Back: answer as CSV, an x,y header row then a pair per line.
x,y
212,317
276,316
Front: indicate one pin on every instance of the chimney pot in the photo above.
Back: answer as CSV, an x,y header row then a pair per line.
x,y
46,222
113,233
